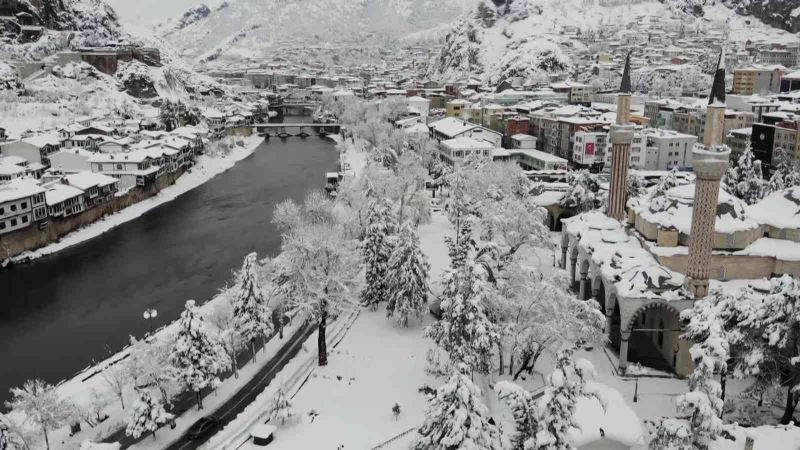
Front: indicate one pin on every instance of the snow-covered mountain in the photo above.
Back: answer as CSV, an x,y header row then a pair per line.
x,y
532,39
248,27
93,20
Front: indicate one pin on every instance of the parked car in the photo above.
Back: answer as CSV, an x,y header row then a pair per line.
x,y
263,434
202,427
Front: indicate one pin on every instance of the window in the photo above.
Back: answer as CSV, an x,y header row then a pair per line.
x,y
2,225
2,211
24,219
13,222
119,166
24,205
13,208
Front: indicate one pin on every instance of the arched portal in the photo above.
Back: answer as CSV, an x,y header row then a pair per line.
x,y
654,341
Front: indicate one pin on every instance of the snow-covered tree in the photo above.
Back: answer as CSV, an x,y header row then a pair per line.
x,y
636,186
669,181
41,405
525,413
281,408
583,193
672,434
537,316
117,379
407,281
456,418
703,403
11,436
377,248
745,179
148,364
146,416
197,357
252,316
222,318
786,172
762,334
509,223
547,423
464,331
318,265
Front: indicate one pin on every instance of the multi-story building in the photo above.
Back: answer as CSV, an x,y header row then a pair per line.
x,y
22,203
757,79
577,93
456,150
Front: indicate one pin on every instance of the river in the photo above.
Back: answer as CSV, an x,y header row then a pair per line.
x,y
62,312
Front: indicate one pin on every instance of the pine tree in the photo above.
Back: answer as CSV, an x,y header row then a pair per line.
x,y
455,418
746,181
146,416
465,332
636,186
459,249
786,172
281,407
407,283
252,317
666,183
377,250
583,192
556,408
524,410
197,356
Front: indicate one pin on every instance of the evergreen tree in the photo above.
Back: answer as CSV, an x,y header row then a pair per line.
x,y
455,418
146,416
666,183
377,250
464,331
281,407
556,408
251,315
746,181
583,193
197,355
636,186
459,249
407,283
524,410
786,172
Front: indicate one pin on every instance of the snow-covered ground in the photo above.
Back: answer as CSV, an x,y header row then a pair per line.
x,y
207,167
377,365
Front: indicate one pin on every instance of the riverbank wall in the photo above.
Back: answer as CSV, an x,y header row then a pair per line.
x,y
52,229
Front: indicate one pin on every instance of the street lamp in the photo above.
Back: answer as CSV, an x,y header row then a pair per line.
x,y
638,368
149,315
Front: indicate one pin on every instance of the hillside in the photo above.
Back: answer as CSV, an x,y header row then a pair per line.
x,y
534,39
242,28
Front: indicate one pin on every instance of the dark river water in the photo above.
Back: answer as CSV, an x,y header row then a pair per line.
x,y
62,312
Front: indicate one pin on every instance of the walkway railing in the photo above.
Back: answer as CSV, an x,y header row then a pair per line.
x,y
393,439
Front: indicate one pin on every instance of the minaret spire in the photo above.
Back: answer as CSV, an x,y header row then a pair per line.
x,y
621,137
717,94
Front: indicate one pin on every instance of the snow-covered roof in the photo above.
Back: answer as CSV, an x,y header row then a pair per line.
x,y
10,169
467,143
43,140
523,137
85,180
674,210
59,193
417,129
18,189
451,127
780,209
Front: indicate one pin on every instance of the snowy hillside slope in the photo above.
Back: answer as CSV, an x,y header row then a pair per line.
x,y
526,38
92,20
250,26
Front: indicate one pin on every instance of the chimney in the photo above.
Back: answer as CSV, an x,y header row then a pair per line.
x,y
710,164
621,137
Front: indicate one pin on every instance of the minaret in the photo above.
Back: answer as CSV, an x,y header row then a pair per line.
x,y
621,137
710,163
